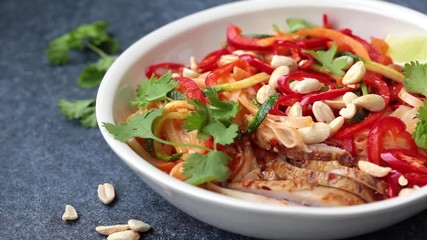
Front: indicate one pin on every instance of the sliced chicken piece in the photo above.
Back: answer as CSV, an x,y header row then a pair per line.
x,y
244,195
246,163
300,192
287,171
322,152
334,167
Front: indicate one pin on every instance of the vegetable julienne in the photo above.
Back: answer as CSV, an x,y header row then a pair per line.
x,y
286,118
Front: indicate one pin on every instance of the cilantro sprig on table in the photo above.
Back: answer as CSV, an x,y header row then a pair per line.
x,y
210,120
416,82
95,38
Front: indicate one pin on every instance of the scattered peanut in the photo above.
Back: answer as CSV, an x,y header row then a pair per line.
x,y
278,60
322,112
124,235
372,102
373,169
106,193
186,72
336,124
108,230
277,73
406,191
70,213
349,111
355,73
138,225
295,110
348,97
402,181
264,92
349,61
307,85
337,103
316,133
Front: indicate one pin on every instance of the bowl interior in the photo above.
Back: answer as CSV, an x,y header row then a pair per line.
x,y
200,33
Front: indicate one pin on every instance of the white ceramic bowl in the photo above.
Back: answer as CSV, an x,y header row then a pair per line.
x,y
198,34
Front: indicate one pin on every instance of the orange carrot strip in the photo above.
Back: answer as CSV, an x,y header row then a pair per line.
x,y
338,37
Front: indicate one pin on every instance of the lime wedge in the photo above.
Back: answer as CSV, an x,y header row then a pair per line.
x,y
404,49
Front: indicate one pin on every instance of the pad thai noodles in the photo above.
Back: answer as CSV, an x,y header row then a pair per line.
x,y
310,115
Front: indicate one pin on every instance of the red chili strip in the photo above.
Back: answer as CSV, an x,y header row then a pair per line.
x,y
257,63
215,75
210,61
374,80
327,95
190,89
161,68
351,129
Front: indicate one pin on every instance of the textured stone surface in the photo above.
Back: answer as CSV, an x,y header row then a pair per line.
x,y
47,161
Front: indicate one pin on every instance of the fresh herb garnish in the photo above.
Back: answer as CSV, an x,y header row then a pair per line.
x,y
87,36
420,133
416,76
295,24
201,168
83,110
326,58
154,89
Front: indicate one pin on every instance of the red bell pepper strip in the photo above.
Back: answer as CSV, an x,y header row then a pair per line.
x,y
393,184
330,94
224,70
313,43
257,63
190,89
405,161
161,68
387,127
237,40
285,101
394,90
415,179
283,81
209,62
374,80
351,129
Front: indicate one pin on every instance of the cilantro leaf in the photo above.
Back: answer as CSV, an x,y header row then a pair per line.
x,y
326,58
137,126
154,89
416,78
221,134
199,168
420,133
78,39
84,110
221,110
296,24
92,75
198,119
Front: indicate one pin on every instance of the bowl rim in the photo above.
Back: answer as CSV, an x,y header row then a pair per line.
x,y
111,82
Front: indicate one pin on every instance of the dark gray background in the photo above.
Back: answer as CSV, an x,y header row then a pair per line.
x,y
47,161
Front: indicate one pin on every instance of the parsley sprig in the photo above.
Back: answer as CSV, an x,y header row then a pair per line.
x,y
95,38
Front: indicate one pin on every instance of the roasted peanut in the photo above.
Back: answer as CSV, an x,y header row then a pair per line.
x,y
307,85
348,97
295,110
264,92
322,112
106,193
124,235
138,225
108,230
277,73
354,74
373,169
186,72
278,60
70,213
336,124
349,61
349,111
316,133
372,102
